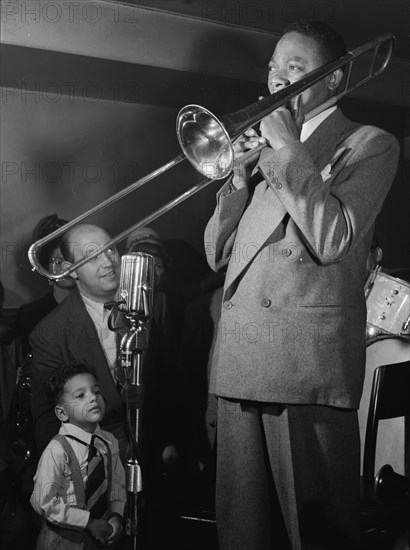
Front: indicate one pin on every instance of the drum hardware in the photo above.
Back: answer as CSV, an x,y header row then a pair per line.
x,y
389,486
371,279
388,303
206,141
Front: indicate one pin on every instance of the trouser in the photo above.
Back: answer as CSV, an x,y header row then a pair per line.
x,y
306,457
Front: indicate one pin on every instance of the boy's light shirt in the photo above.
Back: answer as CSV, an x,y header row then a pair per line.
x,y
53,495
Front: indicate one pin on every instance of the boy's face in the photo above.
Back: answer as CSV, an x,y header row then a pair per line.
x,y
81,403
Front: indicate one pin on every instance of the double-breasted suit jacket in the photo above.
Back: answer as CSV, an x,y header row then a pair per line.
x,y
294,244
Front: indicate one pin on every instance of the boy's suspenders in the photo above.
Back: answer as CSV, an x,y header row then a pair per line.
x,y
78,483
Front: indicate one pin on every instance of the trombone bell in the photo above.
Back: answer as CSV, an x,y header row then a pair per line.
x,y
205,142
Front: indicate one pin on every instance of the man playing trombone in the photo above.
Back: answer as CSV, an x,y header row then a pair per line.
x,y
293,228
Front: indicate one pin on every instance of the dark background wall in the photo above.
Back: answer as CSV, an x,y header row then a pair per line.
x,y
392,224
89,103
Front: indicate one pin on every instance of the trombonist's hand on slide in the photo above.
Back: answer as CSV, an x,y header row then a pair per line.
x,y
245,159
279,128
283,126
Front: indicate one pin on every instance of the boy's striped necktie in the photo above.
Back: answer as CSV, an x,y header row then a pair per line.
x,y
96,485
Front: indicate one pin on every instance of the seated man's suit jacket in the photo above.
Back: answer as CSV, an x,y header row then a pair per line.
x,y
68,333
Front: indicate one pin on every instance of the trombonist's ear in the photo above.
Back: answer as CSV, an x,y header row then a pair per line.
x,y
334,79
65,265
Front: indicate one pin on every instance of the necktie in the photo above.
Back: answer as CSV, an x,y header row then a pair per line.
x,y
112,325
96,486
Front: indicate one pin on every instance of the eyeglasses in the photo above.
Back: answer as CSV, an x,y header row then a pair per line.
x,y
56,261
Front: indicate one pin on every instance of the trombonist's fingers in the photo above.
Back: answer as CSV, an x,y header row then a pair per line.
x,y
253,142
250,132
243,166
249,140
239,146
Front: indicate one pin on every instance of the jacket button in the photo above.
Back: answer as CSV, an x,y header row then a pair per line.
x,y
228,305
286,252
266,302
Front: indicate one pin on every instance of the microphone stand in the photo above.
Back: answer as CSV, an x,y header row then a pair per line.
x,y
136,295
133,343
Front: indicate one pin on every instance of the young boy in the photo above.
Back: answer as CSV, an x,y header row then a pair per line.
x,y
79,483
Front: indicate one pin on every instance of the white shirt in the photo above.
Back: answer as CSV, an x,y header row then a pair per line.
x,y
107,337
53,495
310,126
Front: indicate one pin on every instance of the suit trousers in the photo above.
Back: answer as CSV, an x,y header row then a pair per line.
x,y
288,476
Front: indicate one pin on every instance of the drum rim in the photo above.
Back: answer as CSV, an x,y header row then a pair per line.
x,y
387,336
397,279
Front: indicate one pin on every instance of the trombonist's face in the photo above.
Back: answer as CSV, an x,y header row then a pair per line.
x,y
294,57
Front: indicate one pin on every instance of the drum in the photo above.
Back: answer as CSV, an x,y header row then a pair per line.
x,y
388,305
390,435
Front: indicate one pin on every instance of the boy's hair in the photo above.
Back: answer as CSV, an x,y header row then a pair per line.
x,y
330,42
54,387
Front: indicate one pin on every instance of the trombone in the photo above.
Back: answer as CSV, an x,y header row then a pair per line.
x,y
206,142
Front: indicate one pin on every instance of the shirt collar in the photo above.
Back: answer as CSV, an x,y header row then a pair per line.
x,y
71,430
97,307
310,126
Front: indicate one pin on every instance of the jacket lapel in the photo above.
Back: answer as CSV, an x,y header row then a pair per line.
x,y
263,216
326,147
261,221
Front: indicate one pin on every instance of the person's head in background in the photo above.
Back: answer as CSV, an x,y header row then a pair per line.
x,y
142,234
50,256
97,279
375,255
147,241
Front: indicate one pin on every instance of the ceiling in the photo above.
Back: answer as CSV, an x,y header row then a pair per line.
x,y
358,21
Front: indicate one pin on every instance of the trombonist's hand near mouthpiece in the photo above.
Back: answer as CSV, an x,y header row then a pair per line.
x,y
283,126
245,157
